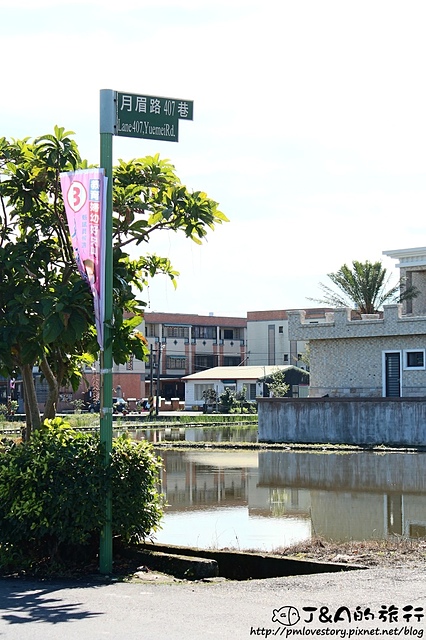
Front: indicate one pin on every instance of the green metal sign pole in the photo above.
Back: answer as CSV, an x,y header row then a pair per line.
x,y
107,120
138,116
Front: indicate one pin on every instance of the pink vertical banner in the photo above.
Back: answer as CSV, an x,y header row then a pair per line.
x,y
84,199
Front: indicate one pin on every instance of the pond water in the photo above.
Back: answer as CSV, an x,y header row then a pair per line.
x,y
266,499
237,433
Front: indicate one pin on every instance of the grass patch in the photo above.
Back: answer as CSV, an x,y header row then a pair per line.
x,y
393,552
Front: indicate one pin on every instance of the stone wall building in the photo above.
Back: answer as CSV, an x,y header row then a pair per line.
x,y
370,357
375,355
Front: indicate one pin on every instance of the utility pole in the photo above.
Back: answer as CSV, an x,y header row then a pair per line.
x,y
157,400
151,381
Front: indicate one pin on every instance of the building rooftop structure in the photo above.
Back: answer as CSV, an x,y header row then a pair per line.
x,y
159,317
238,373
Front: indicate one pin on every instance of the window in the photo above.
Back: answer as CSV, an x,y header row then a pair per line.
x,y
204,362
414,359
176,332
231,361
271,344
175,362
252,391
204,332
150,331
286,357
228,334
280,329
199,390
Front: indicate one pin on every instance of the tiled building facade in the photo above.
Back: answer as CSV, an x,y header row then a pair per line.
x,y
370,357
378,355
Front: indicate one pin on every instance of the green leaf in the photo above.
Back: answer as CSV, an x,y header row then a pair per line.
x,y
133,323
79,324
52,328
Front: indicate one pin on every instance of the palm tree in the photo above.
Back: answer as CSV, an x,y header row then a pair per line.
x,y
365,286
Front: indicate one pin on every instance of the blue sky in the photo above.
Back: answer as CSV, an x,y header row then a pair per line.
x,y
309,127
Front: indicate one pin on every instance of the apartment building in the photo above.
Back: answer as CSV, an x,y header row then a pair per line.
x,y
268,341
182,344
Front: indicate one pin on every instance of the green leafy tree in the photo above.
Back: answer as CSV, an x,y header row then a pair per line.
x,y
306,356
277,386
46,310
365,286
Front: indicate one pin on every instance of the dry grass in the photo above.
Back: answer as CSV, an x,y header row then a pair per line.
x,y
394,552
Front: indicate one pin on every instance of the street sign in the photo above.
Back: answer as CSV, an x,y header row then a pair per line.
x,y
135,116
151,117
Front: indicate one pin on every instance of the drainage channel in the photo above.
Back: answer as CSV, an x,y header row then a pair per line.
x,y
197,564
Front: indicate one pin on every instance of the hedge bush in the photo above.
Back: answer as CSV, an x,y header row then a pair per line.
x,y
53,492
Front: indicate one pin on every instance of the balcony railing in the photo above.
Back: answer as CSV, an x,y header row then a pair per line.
x,y
232,342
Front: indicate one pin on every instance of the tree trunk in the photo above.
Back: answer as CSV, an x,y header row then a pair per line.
x,y
52,399
26,431
32,410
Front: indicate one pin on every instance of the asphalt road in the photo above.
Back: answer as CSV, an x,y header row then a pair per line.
x,y
373,602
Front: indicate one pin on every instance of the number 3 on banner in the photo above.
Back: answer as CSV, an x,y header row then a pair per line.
x,y
76,196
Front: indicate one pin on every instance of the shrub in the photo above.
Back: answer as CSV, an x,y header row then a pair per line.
x,y
136,503
9,409
53,492
227,401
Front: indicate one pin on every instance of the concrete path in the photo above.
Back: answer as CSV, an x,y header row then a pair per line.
x,y
162,609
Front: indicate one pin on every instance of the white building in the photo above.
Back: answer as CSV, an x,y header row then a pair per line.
x,y
252,378
268,341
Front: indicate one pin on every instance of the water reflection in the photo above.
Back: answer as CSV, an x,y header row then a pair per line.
x,y
266,499
196,434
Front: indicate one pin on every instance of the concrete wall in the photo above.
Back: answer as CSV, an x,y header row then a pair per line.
x,y
360,421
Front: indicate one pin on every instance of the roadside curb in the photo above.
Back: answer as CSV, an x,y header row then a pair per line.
x,y
197,564
179,566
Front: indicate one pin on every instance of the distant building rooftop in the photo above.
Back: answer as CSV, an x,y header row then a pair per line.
x,y
237,373
415,257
